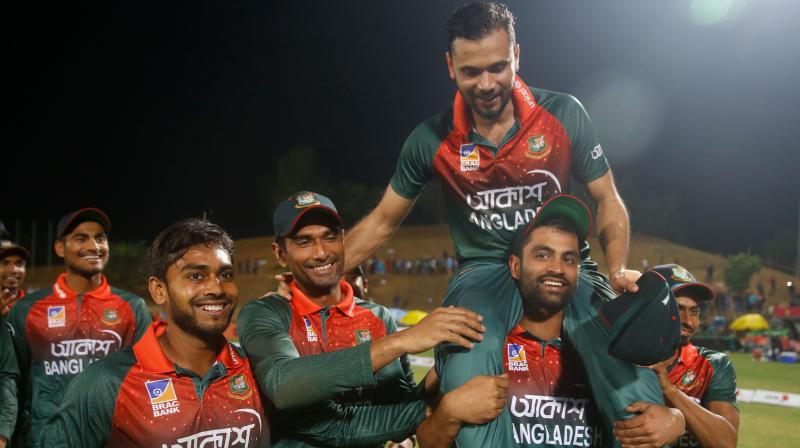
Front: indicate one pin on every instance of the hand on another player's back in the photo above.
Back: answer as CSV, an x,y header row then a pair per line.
x,y
655,426
480,400
455,325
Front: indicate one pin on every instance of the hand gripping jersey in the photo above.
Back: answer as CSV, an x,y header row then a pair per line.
x,y
549,398
314,364
705,376
138,397
490,192
58,333
9,375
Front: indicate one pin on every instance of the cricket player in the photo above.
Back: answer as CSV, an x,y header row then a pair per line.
x,y
182,384
549,397
13,261
58,332
500,151
331,363
698,381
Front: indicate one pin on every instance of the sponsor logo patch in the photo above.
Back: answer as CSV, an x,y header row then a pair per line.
x,y
239,388
597,151
363,336
110,316
537,147
517,361
311,335
470,157
305,200
56,316
162,397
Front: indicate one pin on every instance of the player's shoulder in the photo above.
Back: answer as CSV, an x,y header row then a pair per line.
x,y
713,356
126,295
376,308
23,306
432,130
556,102
270,307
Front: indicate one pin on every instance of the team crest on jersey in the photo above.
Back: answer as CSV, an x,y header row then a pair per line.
x,y
162,397
537,147
239,388
470,157
688,378
363,336
305,200
56,316
517,361
110,316
311,335
679,274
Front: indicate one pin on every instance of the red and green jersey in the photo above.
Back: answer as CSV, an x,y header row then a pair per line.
x,y
138,397
314,365
491,191
548,396
705,376
59,332
9,375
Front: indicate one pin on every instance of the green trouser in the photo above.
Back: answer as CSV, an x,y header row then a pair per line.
x,y
488,288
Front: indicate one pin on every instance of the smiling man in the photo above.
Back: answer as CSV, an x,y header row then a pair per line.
x,y
182,384
60,331
333,364
13,261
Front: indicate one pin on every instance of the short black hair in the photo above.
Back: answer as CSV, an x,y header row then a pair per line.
x,y
174,241
474,21
559,222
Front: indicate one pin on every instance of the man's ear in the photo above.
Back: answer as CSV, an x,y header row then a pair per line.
x,y
516,58
58,246
158,290
514,266
279,254
450,67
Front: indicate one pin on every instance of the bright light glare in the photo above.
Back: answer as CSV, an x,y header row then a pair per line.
x,y
627,112
716,12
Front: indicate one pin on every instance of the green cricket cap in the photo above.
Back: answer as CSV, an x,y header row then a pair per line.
x,y
682,282
289,211
645,325
71,220
568,206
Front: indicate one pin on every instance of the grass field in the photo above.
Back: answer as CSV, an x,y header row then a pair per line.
x,y
760,425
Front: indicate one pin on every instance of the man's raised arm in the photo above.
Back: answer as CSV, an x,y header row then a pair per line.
x,y
613,228
366,237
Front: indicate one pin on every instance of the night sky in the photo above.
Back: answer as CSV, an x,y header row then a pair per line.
x,y
164,111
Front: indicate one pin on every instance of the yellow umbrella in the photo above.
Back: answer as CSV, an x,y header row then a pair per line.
x,y
413,317
749,322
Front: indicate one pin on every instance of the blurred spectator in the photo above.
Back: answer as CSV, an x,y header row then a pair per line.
x,y
709,273
772,284
645,264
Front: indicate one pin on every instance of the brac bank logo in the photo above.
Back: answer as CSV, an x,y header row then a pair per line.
x,y
162,397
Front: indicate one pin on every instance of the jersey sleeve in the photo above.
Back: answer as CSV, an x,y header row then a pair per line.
x,y
588,160
723,381
333,424
415,164
9,375
287,379
141,314
85,415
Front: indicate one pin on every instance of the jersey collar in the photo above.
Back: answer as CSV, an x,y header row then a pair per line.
x,y
522,98
306,307
152,358
518,331
62,291
688,354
